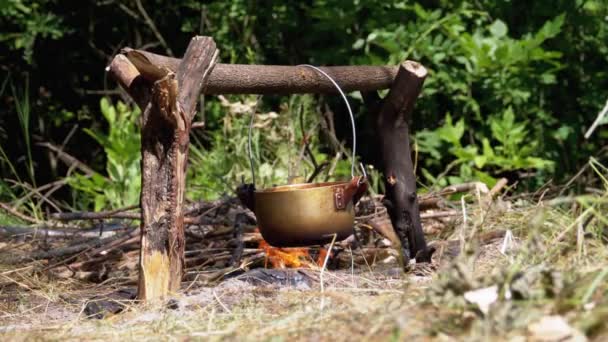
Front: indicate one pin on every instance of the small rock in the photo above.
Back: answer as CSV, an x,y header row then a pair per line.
x,y
554,329
483,298
100,307
173,304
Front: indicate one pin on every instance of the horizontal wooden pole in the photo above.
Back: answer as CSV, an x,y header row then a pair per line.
x,y
276,79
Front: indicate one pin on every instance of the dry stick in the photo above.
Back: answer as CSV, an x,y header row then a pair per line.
x,y
574,178
463,187
385,231
80,215
126,241
36,192
60,252
440,214
13,231
432,200
305,136
597,121
210,205
331,245
197,125
122,242
17,214
498,187
426,203
46,196
69,136
306,150
333,166
129,12
67,158
65,261
461,234
152,26
206,212
327,126
317,171
20,200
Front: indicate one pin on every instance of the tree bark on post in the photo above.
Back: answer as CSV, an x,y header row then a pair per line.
x,y
168,101
393,114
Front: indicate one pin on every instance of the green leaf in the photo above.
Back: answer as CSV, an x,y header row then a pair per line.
x,y
480,161
452,133
550,29
358,44
108,111
488,152
484,178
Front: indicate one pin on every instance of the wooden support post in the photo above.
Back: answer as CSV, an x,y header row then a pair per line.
x,y
168,102
392,128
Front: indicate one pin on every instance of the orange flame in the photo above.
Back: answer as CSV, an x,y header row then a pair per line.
x,y
322,255
285,257
290,257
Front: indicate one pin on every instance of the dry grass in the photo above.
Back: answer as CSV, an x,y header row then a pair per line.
x,y
556,264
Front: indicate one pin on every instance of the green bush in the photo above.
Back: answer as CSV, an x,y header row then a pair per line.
x,y
512,87
121,144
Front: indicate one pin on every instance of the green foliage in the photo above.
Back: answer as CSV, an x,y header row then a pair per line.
x,y
486,76
512,85
505,150
18,185
277,149
28,21
23,108
122,148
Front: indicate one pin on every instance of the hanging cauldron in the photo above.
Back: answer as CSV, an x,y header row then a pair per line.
x,y
309,213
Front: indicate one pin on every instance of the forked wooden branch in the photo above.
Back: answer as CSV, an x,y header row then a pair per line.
x,y
168,101
392,128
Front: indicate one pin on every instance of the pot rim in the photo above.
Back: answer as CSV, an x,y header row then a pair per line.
x,y
300,187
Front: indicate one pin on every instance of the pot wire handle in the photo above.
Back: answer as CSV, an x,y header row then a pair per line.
x,y
362,179
350,112
249,150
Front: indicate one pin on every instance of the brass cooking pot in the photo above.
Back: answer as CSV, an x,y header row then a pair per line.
x,y
307,214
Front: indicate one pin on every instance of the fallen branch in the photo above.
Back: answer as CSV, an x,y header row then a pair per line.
x,y
597,121
17,214
463,187
497,188
440,214
69,250
68,159
13,231
80,215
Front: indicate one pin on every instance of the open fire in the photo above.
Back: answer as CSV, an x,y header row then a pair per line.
x,y
297,257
